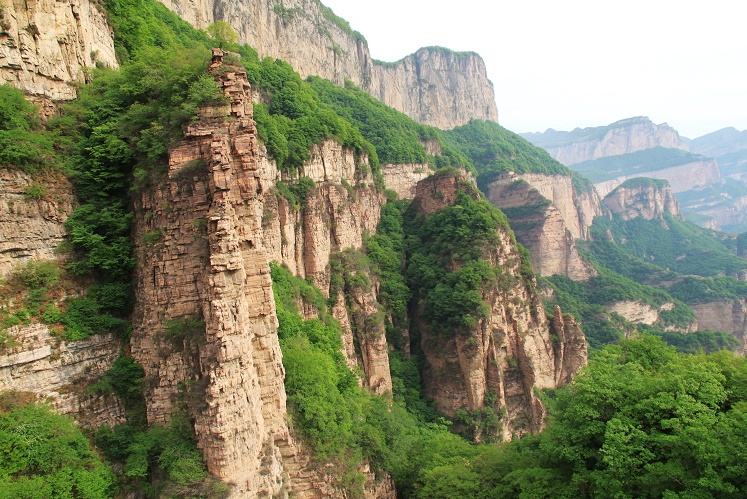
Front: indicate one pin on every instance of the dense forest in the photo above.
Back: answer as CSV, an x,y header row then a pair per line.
x,y
643,419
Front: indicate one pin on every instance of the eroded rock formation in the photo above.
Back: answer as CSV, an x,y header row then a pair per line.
x,y
548,214
702,173
506,355
724,315
61,372
45,45
643,198
205,325
435,86
31,229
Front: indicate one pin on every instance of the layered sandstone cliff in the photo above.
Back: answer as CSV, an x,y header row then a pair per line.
x,y
622,137
31,227
548,214
501,360
205,325
724,315
61,373
681,178
434,86
46,45
645,198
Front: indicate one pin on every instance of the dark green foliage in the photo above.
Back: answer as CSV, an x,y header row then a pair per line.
x,y
457,238
126,379
493,150
691,289
397,138
386,250
706,340
38,274
24,144
84,317
642,421
670,243
140,24
44,455
168,453
296,118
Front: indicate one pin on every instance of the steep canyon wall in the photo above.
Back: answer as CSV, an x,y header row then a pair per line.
x,y
434,86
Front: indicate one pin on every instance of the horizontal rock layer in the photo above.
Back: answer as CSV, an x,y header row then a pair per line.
x,y
45,45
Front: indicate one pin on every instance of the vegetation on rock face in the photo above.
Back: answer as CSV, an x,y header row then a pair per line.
x,y
446,261
24,143
671,244
641,421
493,150
45,455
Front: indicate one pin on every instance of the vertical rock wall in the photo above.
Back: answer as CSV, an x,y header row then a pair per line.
x,y
548,215
45,45
435,86
206,236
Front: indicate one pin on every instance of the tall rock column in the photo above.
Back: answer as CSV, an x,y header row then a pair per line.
x,y
205,325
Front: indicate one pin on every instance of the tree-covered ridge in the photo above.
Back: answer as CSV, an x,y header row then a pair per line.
x,y
493,150
648,160
670,244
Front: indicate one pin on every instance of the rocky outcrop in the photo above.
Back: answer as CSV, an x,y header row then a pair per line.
x,y
548,214
643,197
571,351
506,355
437,87
681,178
204,323
622,137
403,178
31,226
636,312
45,45
434,86
61,372
724,315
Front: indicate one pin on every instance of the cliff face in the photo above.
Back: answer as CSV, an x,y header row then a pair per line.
x,y
61,372
205,325
622,137
46,44
437,87
434,86
726,315
34,360
505,356
681,178
31,229
647,199
402,179
548,214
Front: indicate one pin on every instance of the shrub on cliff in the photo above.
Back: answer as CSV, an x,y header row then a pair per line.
x,y
24,143
43,455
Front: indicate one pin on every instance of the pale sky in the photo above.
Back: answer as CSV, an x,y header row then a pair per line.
x,y
575,63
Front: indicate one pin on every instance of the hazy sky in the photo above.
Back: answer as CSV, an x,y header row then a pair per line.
x,y
567,63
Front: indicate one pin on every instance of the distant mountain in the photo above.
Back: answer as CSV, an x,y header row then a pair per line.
x,y
622,137
708,174
719,143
